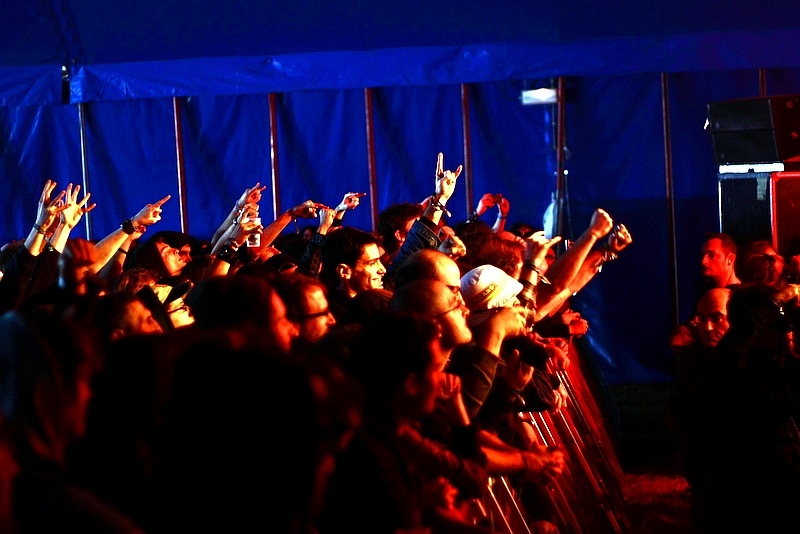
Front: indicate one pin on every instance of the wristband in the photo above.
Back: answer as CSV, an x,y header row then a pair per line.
x,y
228,254
608,254
502,218
128,227
39,229
438,206
529,264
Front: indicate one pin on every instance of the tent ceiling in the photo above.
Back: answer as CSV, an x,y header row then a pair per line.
x,y
159,48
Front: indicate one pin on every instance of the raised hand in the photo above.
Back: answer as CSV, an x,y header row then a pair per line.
x,y
601,223
149,214
306,210
619,238
49,209
445,179
326,218
75,209
504,206
251,195
537,245
245,226
350,201
453,247
486,202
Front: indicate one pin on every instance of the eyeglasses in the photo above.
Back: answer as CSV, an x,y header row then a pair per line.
x,y
456,291
308,316
460,306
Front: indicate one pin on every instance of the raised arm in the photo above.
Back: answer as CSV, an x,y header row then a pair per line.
x,y
444,187
563,271
47,215
251,195
111,250
617,241
70,216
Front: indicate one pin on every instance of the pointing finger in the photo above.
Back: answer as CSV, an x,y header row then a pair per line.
x,y
162,201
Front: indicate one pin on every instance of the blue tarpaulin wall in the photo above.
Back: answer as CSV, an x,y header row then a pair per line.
x,y
126,66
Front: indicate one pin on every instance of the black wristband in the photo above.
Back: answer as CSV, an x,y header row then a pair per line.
x,y
529,264
228,254
438,206
129,228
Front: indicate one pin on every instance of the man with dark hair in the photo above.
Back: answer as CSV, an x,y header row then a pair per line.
x,y
394,223
351,263
719,266
306,303
719,260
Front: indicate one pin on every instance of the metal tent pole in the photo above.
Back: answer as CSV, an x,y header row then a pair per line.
x,y
467,144
87,217
273,155
369,123
670,197
181,165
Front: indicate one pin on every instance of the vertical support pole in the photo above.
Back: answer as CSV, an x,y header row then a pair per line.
x,y
273,156
665,119
762,82
561,144
371,163
87,218
467,143
181,165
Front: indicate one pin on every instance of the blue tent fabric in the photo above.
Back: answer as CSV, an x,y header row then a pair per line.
x,y
431,69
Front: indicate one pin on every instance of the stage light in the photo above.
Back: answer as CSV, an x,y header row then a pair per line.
x,y
542,95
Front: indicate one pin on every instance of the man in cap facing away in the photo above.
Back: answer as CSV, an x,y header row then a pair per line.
x,y
495,313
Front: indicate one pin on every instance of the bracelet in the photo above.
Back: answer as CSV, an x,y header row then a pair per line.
x,y
122,250
529,264
39,229
502,218
438,206
607,254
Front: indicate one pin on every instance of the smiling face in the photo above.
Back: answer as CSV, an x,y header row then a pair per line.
x,y
367,273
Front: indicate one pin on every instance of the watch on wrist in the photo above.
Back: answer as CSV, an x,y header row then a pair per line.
x,y
128,227
228,254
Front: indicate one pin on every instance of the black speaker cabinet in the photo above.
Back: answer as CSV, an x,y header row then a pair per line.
x,y
762,206
755,130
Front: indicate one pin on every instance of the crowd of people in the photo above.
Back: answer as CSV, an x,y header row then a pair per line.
x,y
322,380
735,410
